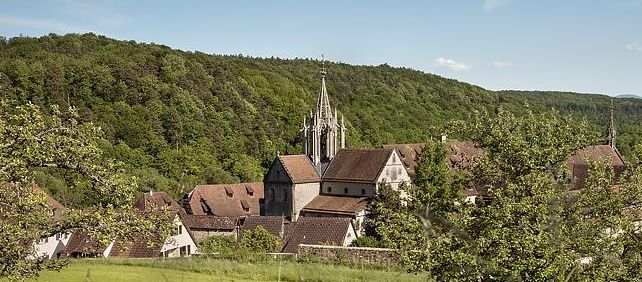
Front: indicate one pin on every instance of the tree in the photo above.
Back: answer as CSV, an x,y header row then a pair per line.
x,y
532,227
31,141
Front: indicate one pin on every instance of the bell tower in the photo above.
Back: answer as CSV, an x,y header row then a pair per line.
x,y
322,135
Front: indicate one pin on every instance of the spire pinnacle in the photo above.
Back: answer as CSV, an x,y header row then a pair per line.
x,y
612,131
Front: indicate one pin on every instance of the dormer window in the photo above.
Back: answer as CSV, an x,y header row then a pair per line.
x,y
229,191
206,208
245,205
249,190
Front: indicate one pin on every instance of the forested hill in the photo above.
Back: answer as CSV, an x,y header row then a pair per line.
x,y
179,118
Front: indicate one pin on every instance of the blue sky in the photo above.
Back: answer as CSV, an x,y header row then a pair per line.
x,y
592,46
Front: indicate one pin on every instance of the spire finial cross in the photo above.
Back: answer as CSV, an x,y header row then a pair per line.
x,y
323,71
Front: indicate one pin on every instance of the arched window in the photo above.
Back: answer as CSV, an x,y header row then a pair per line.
x,y
329,189
363,191
272,194
345,190
285,195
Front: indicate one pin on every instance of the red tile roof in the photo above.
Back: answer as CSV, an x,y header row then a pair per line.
x,y
357,165
80,244
408,153
579,162
209,222
462,153
337,204
299,168
138,249
225,199
318,231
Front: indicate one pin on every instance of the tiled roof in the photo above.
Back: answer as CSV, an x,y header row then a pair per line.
x,y
337,204
462,153
225,199
579,165
299,168
358,165
139,249
156,198
209,222
82,244
318,231
276,225
408,153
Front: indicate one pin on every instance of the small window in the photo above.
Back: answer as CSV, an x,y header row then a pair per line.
x,y
345,190
272,194
399,170
285,195
329,189
57,236
245,205
180,229
189,251
363,191
394,158
229,191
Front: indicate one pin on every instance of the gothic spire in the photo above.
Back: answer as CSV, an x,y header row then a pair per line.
x,y
612,133
323,103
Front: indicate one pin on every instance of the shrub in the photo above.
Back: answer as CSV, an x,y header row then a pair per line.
x,y
218,244
260,240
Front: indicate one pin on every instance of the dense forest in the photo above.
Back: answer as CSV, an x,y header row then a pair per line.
x,y
175,118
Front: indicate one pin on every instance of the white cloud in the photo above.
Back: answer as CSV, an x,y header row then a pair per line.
x,y
502,65
451,64
633,47
490,5
43,24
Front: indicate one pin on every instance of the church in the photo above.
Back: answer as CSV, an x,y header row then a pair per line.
x,y
327,179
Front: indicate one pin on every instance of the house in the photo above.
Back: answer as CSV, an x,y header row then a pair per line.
x,y
203,226
359,172
579,163
180,243
226,200
51,247
291,182
332,231
463,153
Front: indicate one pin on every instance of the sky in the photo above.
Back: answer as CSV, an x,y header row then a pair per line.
x,y
588,46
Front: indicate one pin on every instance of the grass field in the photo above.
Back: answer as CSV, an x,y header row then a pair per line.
x,y
204,269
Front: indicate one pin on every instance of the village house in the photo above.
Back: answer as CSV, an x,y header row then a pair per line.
x,y
51,247
180,243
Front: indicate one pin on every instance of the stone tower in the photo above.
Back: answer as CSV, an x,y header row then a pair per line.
x,y
322,134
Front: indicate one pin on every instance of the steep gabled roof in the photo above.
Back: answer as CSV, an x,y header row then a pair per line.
x,y
408,153
83,244
318,231
357,165
337,204
579,162
226,200
299,168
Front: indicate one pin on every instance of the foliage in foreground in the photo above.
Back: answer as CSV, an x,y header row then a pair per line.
x,y
259,240
528,226
31,142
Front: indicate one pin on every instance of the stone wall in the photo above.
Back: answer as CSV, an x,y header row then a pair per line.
x,y
359,255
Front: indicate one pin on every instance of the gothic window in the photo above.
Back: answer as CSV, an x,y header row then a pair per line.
x,y
272,194
285,195
345,190
329,189
363,191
